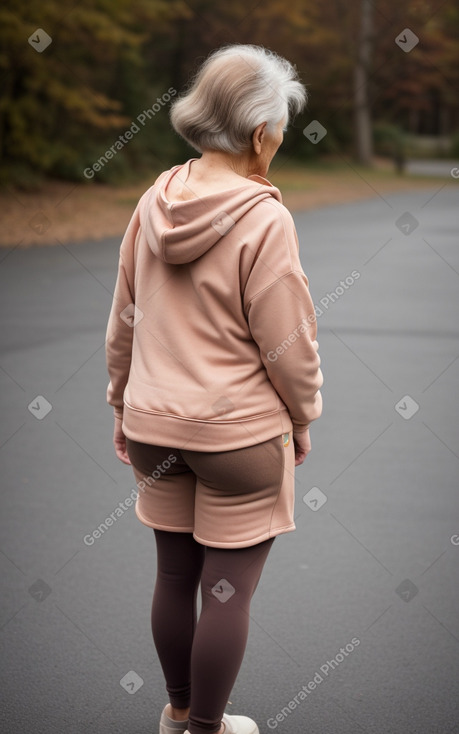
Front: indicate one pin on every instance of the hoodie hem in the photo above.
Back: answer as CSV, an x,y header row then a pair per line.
x,y
158,429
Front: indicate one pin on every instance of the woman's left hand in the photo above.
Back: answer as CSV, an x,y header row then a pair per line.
x,y
119,441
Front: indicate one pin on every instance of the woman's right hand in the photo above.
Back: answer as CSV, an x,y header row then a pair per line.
x,y
302,442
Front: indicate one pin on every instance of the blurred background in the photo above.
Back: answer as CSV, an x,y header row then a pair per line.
x,y
89,69
370,171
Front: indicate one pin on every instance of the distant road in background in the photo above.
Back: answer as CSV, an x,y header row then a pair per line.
x,y
433,167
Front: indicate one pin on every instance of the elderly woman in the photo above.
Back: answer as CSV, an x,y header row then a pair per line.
x,y
214,374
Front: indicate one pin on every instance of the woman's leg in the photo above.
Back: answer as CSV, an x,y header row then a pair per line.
x,y
201,661
229,579
173,615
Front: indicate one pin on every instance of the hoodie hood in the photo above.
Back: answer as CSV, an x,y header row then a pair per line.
x,y
181,231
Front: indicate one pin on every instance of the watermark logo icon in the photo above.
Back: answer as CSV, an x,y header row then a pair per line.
x,y
131,315
39,590
222,223
314,499
407,40
39,40
407,407
131,682
315,132
40,223
222,406
223,590
40,407
406,590
406,223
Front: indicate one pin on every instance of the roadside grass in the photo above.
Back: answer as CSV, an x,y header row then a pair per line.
x,y
68,212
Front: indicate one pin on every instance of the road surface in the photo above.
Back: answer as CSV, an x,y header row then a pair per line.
x,y
355,625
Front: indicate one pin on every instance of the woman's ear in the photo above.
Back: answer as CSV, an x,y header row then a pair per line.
x,y
258,137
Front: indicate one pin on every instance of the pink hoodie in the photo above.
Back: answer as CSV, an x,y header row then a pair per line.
x,y
218,351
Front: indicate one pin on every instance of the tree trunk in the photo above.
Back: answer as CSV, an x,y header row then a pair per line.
x,y
362,112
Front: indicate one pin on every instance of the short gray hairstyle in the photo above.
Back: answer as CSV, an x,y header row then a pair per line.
x,y
236,89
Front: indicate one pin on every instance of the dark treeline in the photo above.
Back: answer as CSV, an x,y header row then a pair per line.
x,y
112,66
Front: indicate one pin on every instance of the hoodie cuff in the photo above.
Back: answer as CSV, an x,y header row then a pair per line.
x,y
301,429
118,413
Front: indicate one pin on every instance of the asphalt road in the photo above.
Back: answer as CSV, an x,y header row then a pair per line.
x,y
357,609
435,167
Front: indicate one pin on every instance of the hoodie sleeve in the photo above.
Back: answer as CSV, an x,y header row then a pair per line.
x,y
122,319
282,321
118,341
283,324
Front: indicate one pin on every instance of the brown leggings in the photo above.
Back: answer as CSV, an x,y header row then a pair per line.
x,y
224,496
201,658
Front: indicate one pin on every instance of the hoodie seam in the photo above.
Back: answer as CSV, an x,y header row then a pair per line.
x,y
201,420
271,285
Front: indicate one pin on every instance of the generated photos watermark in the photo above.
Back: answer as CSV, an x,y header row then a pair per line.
x,y
320,675
325,302
274,354
128,134
407,40
40,40
314,132
123,506
223,590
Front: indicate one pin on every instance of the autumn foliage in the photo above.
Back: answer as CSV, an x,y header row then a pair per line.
x,y
108,60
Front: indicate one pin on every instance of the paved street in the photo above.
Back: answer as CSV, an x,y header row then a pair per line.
x,y
358,609
436,167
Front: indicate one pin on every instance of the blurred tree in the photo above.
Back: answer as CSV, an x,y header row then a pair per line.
x,y
109,59
362,110
60,106
418,90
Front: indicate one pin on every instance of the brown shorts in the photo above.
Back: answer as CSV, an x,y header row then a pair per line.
x,y
229,499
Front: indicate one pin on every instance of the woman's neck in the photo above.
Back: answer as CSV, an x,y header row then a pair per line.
x,y
215,163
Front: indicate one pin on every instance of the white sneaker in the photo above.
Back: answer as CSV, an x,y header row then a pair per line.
x,y
237,725
170,726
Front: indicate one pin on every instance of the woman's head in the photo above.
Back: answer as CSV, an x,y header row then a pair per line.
x,y
238,89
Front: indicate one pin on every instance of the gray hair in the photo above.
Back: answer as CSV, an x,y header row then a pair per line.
x,y
236,89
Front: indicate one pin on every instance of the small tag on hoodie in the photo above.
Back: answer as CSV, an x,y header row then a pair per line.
x,y
286,439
